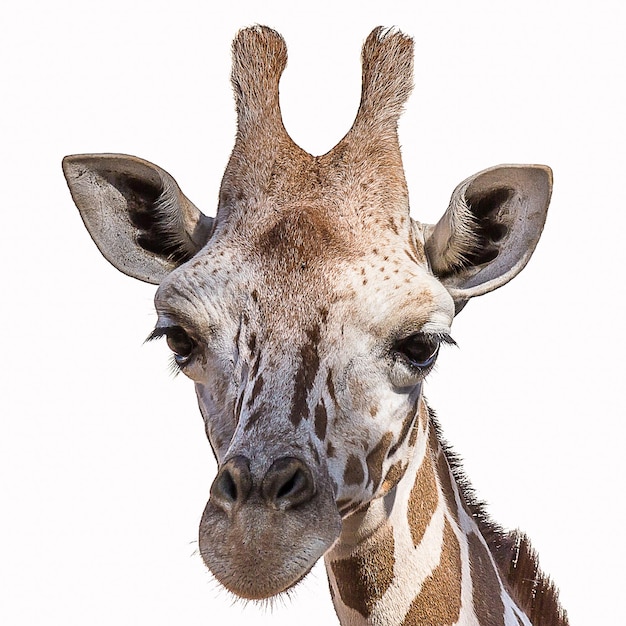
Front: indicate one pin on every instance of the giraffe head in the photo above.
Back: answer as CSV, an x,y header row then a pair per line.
x,y
309,311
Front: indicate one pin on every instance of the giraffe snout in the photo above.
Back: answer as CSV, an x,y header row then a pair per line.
x,y
286,484
264,508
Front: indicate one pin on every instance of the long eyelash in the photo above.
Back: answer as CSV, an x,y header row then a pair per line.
x,y
173,367
447,339
157,333
442,338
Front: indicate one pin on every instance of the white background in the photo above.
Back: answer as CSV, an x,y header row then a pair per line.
x,y
104,467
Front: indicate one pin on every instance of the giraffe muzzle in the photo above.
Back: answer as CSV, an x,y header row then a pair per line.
x,y
256,521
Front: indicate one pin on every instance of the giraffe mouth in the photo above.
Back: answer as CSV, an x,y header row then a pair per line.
x,y
257,553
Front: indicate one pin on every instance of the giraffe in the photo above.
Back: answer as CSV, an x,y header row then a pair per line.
x,y
309,313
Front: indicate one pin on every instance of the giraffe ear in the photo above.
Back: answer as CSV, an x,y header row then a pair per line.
x,y
490,229
135,213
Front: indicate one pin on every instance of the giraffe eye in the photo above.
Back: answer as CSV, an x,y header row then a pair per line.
x,y
419,350
414,356
180,343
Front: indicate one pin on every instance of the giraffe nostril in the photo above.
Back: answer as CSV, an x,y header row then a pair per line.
x,y
293,484
232,484
288,483
227,486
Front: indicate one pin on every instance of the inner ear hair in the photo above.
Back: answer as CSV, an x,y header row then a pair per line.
x,y
487,229
473,232
153,211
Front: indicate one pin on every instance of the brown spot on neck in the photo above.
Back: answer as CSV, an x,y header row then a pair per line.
x,y
363,579
423,499
439,600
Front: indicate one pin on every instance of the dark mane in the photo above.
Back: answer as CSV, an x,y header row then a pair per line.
x,y
530,587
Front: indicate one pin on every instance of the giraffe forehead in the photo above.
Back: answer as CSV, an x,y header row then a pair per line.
x,y
295,265
296,281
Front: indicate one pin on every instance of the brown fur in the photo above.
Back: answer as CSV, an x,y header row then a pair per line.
x,y
517,562
364,578
445,582
422,501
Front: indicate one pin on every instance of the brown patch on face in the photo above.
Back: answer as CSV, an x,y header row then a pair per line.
x,y
256,362
255,416
375,459
362,580
297,237
330,449
410,257
374,409
486,586
252,343
423,500
392,225
238,336
238,406
394,476
305,376
353,474
256,389
330,386
439,601
321,421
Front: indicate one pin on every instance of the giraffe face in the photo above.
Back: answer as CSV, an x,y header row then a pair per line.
x,y
308,370
310,309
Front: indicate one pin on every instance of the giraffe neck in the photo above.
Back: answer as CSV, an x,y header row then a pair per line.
x,y
416,555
